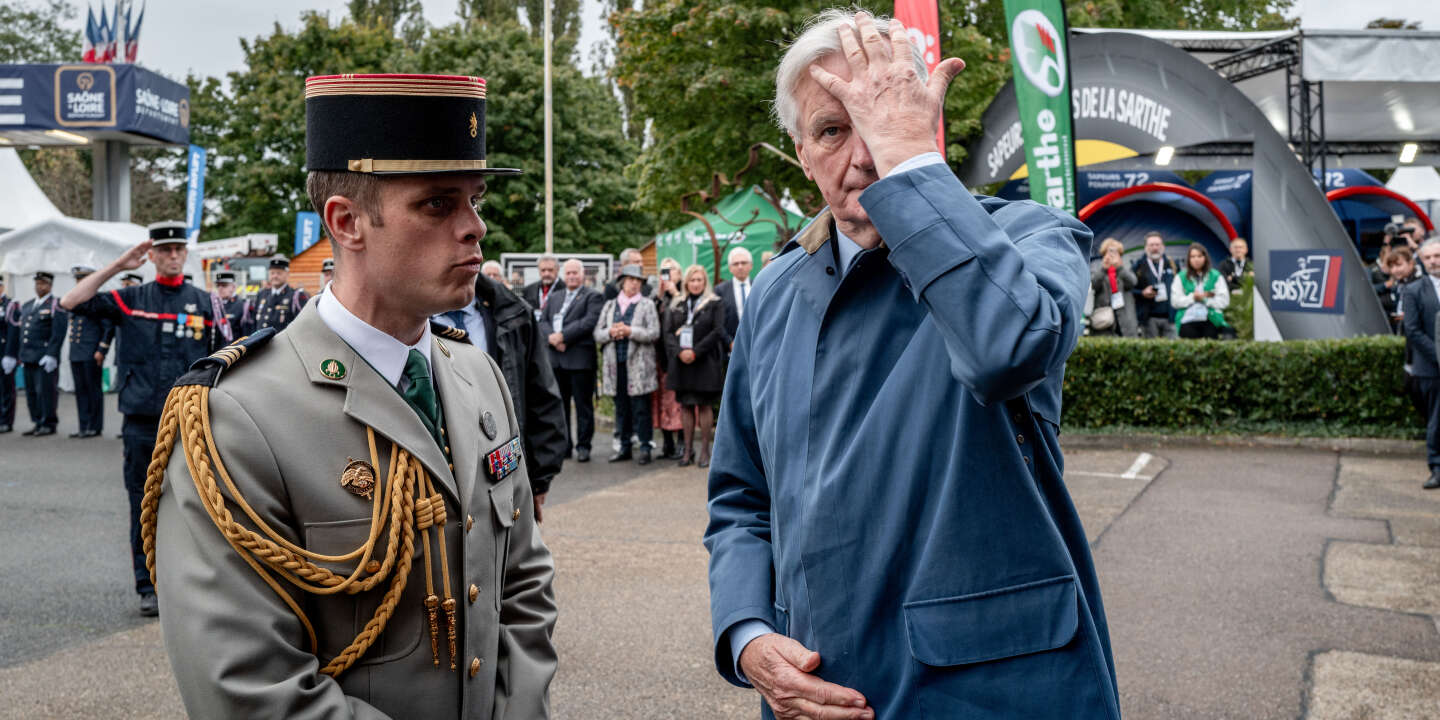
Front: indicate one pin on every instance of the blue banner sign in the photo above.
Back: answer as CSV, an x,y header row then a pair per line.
x,y
1310,281
307,230
195,192
81,98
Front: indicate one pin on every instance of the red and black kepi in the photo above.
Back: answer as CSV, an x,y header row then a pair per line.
x,y
397,124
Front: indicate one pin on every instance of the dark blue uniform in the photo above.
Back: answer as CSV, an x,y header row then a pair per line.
x,y
277,308
89,336
240,315
39,334
161,330
9,317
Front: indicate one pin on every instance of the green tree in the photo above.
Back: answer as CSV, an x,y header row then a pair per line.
x,y
255,130
701,75
592,197
34,32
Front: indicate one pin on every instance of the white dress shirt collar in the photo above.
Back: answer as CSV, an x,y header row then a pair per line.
x,y
42,300
384,353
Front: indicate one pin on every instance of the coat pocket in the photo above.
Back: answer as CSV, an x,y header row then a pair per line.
x,y
992,625
339,618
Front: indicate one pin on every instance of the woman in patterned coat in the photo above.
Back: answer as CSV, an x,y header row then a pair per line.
x,y
627,331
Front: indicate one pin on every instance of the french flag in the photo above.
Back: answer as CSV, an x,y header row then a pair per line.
x,y
132,34
91,30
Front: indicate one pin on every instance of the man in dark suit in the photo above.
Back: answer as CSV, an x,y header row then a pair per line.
x,y
1235,267
501,324
735,292
1155,272
567,321
1421,301
538,293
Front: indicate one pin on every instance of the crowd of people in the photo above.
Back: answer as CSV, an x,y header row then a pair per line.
x,y
657,348
1155,297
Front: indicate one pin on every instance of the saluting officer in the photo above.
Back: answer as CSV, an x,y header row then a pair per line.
x,y
163,326
236,308
331,430
35,343
9,317
89,344
277,304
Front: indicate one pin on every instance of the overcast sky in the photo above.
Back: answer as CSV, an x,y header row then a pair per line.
x,y
203,36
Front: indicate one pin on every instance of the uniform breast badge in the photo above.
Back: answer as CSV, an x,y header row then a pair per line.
x,y
487,423
333,369
358,477
503,460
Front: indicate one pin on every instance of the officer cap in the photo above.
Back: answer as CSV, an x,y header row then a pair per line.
x,y
80,271
47,276
131,277
189,278
397,124
328,265
225,276
280,262
167,232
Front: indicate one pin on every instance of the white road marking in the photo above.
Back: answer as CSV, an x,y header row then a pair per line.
x,y
1118,476
1141,461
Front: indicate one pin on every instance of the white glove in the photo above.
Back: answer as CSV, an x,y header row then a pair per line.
x,y
48,363
7,365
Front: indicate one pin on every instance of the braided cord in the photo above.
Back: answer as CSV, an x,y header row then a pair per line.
x,y
186,415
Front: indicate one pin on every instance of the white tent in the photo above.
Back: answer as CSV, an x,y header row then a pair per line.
x,y
1419,183
22,202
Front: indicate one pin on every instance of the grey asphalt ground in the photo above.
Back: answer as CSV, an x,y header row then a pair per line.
x,y
1238,583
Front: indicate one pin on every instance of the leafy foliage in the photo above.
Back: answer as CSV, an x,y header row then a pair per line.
x,y
256,130
1353,386
702,74
33,32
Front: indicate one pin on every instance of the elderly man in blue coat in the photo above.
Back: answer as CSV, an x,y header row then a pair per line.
x,y
889,533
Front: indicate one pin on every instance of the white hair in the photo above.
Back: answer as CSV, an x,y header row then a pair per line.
x,y
819,39
630,252
1432,242
547,257
491,264
738,252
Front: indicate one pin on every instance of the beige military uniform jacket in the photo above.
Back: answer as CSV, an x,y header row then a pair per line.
x,y
285,431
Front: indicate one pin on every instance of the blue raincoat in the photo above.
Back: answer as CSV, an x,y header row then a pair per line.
x,y
886,483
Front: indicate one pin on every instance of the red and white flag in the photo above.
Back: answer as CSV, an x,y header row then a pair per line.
x,y
922,22
88,49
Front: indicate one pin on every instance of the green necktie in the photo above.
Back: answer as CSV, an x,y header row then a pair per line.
x,y
420,394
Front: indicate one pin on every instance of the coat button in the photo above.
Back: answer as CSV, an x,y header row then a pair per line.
x,y
469,522
474,667
474,594
1020,439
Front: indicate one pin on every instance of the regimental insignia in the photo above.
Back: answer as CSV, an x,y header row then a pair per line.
x,y
358,477
503,460
474,125
332,368
487,423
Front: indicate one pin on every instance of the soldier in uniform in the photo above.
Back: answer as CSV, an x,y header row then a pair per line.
x,y
130,280
9,317
89,344
163,326
35,344
235,308
373,550
277,304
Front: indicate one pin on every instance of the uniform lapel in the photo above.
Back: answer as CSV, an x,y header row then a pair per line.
x,y
460,403
369,399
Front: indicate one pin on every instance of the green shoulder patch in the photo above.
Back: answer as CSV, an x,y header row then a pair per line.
x,y
206,370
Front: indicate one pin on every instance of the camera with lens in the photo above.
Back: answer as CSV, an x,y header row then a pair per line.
x,y
1391,229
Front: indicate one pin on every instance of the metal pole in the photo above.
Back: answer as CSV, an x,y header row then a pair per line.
x,y
549,144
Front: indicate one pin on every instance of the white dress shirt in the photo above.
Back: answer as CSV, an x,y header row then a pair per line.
x,y
384,353
474,326
741,288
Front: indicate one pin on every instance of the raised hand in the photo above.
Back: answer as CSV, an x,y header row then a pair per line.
x,y
134,257
895,113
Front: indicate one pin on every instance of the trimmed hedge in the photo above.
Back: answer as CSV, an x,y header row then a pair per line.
x,y
1353,386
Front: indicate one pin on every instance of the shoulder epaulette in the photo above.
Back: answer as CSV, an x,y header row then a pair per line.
x,y
206,370
449,333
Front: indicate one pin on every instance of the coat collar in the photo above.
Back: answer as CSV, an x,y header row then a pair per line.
x,y
369,399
